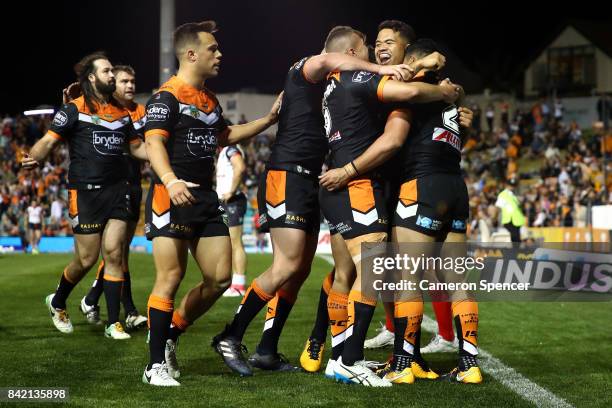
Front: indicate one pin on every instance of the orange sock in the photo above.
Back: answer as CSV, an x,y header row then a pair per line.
x,y
465,314
408,318
179,321
337,309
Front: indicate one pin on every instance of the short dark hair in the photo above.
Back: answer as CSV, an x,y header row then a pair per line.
x,y
421,48
82,70
124,68
338,33
188,33
404,30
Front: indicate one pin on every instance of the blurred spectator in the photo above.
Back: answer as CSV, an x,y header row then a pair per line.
x,y
559,110
490,115
476,123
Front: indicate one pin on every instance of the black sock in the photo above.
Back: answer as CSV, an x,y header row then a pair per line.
x,y
174,333
353,345
417,345
62,292
112,293
400,324
401,357
126,295
159,325
276,319
252,303
93,296
319,331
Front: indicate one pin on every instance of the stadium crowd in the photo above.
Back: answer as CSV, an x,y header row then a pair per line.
x,y
559,169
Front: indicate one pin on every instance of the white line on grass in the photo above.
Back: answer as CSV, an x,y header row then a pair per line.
x,y
502,373
508,376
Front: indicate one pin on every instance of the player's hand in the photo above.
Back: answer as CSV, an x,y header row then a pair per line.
x,y
334,179
71,92
434,62
28,162
276,107
451,91
225,197
401,72
466,116
179,193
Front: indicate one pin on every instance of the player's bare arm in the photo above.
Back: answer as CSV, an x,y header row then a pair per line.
x,y
138,150
396,131
158,157
40,151
317,67
420,92
432,62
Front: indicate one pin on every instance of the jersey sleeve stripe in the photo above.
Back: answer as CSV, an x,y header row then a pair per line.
x,y
381,86
55,135
159,132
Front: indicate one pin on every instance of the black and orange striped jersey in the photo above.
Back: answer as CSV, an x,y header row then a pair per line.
x,y
352,109
192,121
300,140
434,143
139,118
96,141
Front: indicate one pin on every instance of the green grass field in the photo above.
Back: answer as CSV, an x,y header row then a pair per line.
x,y
563,347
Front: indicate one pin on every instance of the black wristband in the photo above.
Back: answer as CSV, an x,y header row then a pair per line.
x,y
355,168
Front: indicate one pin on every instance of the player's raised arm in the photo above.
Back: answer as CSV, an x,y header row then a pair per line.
x,y
237,133
316,68
419,92
432,62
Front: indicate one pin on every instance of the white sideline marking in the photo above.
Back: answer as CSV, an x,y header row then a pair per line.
x,y
508,376
502,373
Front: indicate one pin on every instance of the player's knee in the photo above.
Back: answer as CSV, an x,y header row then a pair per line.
x,y
287,265
218,284
167,282
114,258
87,260
343,280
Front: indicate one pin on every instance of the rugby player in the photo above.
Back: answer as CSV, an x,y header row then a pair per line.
x,y
230,173
393,37
352,108
97,129
288,203
125,80
184,128
433,206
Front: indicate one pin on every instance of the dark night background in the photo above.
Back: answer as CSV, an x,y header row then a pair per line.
x,y
259,40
